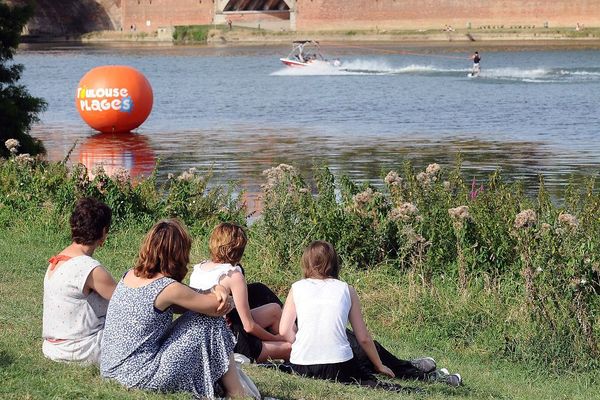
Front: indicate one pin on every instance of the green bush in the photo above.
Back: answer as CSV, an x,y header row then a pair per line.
x,y
191,33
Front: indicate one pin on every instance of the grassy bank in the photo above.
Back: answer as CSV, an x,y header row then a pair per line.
x,y
506,297
221,34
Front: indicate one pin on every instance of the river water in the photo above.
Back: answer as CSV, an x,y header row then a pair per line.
x,y
534,109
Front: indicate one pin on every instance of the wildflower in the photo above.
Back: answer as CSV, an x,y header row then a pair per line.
x,y
393,179
474,190
545,227
525,219
98,170
363,197
538,269
433,169
460,213
568,220
583,281
186,176
24,158
170,176
12,145
121,175
276,174
404,212
423,178
447,185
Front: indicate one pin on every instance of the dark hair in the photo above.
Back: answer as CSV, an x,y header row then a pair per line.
x,y
227,243
166,250
320,261
89,221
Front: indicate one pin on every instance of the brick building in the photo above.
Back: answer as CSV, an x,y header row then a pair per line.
x,y
309,15
73,17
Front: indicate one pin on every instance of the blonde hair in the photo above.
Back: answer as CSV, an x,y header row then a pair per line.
x,y
227,243
320,261
166,250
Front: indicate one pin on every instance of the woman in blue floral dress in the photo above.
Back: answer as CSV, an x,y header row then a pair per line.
x,y
144,348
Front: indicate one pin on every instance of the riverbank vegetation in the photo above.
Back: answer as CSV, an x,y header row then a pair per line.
x,y
495,284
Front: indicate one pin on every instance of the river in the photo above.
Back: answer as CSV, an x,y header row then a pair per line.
x,y
534,110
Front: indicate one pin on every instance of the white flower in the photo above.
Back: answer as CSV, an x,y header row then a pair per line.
x,y
363,197
460,213
404,212
525,219
98,170
12,145
423,178
24,158
186,176
121,175
393,179
276,174
433,169
568,220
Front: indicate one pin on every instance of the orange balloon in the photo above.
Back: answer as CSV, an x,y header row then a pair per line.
x,y
114,98
129,151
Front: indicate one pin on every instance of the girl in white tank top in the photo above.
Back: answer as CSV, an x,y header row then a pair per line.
x,y
323,306
258,336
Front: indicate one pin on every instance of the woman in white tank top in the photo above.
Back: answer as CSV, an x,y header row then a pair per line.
x,y
323,306
257,329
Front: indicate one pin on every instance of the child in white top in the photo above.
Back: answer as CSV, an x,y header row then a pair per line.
x,y
257,329
323,305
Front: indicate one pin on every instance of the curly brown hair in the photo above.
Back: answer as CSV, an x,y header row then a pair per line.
x,y
227,243
89,221
166,250
320,261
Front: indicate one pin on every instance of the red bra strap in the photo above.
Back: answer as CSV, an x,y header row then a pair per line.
x,y
56,259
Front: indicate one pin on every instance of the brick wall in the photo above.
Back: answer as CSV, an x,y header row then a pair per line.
x,y
68,18
149,15
398,14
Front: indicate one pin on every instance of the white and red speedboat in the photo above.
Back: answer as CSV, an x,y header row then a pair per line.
x,y
307,53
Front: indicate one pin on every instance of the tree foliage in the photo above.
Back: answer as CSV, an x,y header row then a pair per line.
x,y
18,109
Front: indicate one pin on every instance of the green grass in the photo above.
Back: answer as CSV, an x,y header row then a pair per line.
x,y
25,374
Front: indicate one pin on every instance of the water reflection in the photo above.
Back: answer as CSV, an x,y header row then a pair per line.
x,y
129,151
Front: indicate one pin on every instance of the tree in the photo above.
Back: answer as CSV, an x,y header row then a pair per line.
x,y
18,109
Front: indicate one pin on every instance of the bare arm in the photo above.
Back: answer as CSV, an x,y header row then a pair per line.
x,y
363,336
101,282
287,326
239,290
177,294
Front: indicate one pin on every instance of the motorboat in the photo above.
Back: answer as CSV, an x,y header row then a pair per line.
x,y
307,53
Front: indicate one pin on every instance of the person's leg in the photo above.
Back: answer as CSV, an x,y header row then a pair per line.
x,y
267,316
274,351
403,369
231,381
259,294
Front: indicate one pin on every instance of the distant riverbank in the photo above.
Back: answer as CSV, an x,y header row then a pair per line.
x,y
222,35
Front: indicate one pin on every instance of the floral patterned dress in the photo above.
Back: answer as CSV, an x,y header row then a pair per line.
x,y
144,348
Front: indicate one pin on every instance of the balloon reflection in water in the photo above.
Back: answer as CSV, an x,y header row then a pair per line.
x,y
113,152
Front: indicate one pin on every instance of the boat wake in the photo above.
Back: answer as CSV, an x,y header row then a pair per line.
x,y
375,67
